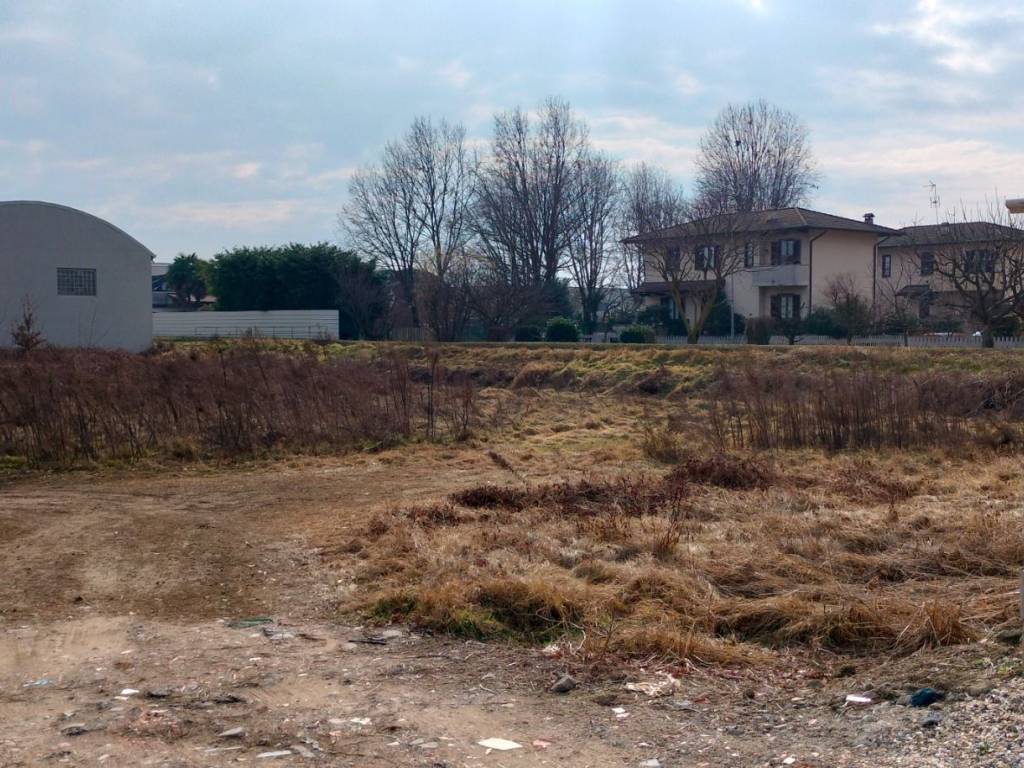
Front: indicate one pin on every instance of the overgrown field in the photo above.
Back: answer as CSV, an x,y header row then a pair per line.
x,y
718,560
705,505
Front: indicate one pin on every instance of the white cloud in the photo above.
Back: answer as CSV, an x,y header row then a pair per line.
x,y
638,137
244,171
956,32
455,74
688,85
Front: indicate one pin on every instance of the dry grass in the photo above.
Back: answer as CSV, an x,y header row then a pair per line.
x,y
719,560
65,407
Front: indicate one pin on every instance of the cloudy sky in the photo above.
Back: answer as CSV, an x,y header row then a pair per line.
x,y
202,125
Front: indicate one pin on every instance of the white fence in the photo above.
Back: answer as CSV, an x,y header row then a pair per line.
x,y
280,324
949,340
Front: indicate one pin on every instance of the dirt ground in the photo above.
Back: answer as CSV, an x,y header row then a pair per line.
x,y
147,616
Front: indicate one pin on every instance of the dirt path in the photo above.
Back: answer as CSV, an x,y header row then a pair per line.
x,y
119,645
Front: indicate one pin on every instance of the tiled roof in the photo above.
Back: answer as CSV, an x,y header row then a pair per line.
x,y
763,221
943,234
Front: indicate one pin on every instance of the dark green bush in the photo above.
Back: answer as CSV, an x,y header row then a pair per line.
x,y
758,330
637,334
561,329
823,322
528,333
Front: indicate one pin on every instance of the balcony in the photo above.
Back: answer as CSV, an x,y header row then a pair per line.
x,y
782,275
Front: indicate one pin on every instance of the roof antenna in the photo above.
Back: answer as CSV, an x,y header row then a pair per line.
x,y
933,198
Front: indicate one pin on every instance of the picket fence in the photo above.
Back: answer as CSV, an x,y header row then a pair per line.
x,y
950,340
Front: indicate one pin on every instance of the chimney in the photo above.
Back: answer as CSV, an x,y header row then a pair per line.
x,y
869,218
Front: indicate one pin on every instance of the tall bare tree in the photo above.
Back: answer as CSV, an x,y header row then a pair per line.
x,y
382,221
591,253
975,266
525,214
411,214
754,157
650,201
441,171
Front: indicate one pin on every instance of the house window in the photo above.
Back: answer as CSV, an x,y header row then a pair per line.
x,y
785,306
75,281
978,260
785,252
672,258
927,264
705,258
886,265
924,308
748,255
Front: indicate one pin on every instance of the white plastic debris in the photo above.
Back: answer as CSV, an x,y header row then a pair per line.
x,y
857,700
275,753
361,720
655,688
501,745
789,761
128,692
620,713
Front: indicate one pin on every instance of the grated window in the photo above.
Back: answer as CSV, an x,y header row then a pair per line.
x,y
75,281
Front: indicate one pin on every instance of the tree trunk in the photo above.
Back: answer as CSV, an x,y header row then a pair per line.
x,y
988,340
697,328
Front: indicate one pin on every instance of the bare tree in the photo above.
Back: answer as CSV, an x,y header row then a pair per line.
x,y
650,201
525,214
897,314
26,333
755,157
441,171
591,253
698,258
976,267
411,214
850,307
382,220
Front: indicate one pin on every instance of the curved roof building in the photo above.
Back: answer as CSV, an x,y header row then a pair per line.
x,y
87,282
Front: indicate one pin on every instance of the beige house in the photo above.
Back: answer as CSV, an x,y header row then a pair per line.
x,y
777,263
916,262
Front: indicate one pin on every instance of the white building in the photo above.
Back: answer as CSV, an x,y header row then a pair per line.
x,y
87,282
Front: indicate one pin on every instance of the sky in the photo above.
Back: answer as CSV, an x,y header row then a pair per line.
x,y
199,126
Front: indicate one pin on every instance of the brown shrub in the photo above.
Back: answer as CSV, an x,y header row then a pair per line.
x,y
724,470
66,406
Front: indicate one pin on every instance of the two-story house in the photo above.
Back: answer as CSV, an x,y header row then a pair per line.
x,y
783,261
920,265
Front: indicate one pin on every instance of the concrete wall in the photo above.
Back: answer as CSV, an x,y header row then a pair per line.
x,y
838,253
281,324
38,238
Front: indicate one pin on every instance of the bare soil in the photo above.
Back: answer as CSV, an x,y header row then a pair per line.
x,y
157,583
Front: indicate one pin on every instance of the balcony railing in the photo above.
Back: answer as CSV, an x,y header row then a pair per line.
x,y
783,274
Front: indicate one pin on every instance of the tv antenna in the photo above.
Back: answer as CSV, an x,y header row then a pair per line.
x,y
933,198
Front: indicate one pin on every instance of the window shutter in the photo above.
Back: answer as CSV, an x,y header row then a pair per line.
x,y
796,299
796,252
776,253
776,311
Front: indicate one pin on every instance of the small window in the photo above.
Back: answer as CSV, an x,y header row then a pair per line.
x,y
672,258
705,258
785,252
748,255
927,264
785,306
75,281
979,260
886,265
